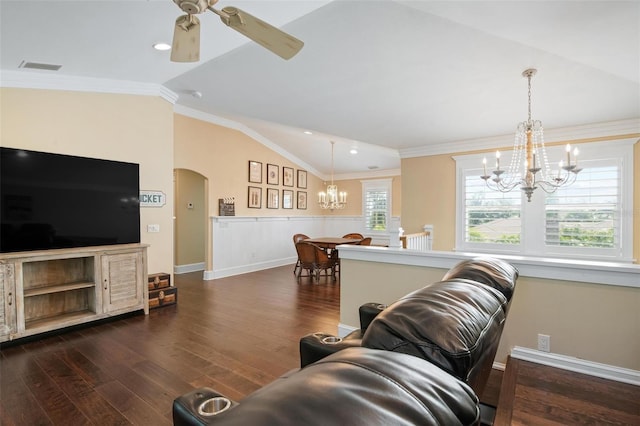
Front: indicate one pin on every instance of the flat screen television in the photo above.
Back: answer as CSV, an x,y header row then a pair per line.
x,y
50,201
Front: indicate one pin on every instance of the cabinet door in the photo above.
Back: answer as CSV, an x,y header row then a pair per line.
x,y
7,302
122,281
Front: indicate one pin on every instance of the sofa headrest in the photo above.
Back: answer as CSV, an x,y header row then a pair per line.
x,y
449,323
487,270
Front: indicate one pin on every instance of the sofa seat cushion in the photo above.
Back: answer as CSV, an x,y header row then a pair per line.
x,y
453,324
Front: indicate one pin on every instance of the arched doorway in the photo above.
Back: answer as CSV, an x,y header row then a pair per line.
x,y
190,215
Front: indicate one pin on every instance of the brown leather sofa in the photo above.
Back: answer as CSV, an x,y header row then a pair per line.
x,y
422,360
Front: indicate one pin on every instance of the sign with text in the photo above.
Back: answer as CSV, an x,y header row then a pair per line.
x,y
152,199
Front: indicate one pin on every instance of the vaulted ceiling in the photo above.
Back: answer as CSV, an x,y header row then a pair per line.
x,y
389,78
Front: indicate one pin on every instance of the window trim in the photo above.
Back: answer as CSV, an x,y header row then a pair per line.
x,y
532,214
371,184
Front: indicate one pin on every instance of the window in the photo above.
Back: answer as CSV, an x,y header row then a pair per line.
x,y
592,218
376,201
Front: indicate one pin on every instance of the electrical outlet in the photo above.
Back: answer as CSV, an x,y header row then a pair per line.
x,y
544,342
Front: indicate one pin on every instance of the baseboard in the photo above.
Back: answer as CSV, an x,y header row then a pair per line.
x,y
183,269
344,329
245,269
604,371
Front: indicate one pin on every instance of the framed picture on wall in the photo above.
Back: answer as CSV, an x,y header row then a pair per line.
x,y
273,174
302,200
273,201
287,197
287,176
255,197
255,172
302,179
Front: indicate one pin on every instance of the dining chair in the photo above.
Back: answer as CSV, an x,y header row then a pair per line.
x,y
296,239
325,262
314,260
353,235
365,242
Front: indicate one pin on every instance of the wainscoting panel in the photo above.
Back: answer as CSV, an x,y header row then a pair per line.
x,y
247,244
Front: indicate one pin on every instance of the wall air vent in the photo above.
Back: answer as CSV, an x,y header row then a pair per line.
x,y
373,167
39,66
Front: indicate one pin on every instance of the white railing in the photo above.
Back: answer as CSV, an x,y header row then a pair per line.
x,y
420,241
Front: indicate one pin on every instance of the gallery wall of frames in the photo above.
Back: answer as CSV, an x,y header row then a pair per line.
x,y
285,187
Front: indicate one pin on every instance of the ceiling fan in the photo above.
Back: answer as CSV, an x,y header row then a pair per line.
x,y
186,35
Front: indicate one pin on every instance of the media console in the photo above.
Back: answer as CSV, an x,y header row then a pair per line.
x,y
46,290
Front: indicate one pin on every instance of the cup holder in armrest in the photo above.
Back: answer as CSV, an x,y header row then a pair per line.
x,y
331,340
213,406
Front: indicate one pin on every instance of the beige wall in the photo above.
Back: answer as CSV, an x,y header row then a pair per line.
x,y
353,187
429,197
222,156
128,128
429,189
190,217
599,323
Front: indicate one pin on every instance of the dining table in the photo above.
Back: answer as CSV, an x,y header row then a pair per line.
x,y
330,243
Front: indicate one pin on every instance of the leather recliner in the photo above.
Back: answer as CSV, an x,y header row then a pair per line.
x,y
391,333
420,361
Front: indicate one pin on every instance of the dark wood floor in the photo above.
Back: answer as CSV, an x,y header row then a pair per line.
x,y
234,335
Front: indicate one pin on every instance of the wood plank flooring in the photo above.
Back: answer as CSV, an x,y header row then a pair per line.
x,y
537,395
235,335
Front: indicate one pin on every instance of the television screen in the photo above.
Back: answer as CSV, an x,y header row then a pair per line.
x,y
58,201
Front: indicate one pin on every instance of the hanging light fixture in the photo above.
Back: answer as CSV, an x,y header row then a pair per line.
x,y
529,166
332,199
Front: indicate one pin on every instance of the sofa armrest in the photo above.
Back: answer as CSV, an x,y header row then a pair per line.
x,y
314,347
368,312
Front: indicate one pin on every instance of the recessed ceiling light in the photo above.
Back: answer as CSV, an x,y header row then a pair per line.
x,y
161,46
306,132
353,151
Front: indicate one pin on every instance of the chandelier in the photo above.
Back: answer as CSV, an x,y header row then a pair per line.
x,y
332,199
529,166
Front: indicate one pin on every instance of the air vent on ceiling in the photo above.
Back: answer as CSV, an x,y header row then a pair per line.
x,y
39,66
373,167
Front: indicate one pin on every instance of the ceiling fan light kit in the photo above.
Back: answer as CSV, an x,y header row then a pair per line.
x,y
186,34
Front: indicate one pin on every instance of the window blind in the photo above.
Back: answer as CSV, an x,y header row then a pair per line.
x,y
376,208
490,216
585,214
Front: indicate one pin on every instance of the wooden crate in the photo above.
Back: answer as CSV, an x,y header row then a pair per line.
x,y
158,281
163,297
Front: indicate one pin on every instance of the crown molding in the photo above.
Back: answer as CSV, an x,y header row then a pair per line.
x,y
565,134
35,80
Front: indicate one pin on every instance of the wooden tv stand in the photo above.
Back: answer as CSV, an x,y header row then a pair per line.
x,y
47,290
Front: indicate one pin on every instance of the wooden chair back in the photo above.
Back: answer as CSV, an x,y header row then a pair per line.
x,y
365,242
354,235
299,237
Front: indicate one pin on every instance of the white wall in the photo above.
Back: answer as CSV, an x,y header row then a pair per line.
x,y
245,244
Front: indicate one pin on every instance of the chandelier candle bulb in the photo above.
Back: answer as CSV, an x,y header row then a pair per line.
x,y
484,165
575,156
497,160
568,155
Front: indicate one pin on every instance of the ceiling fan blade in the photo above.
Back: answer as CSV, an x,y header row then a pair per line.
x,y
266,35
186,39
